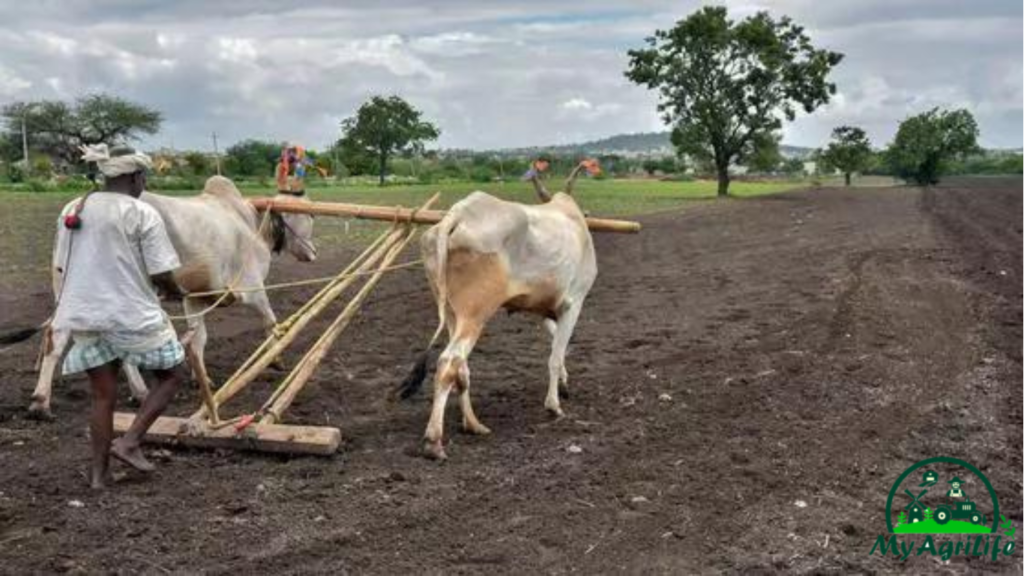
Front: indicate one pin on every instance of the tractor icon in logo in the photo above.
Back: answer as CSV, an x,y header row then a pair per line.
x,y
959,511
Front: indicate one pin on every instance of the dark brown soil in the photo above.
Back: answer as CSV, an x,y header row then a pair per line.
x,y
732,360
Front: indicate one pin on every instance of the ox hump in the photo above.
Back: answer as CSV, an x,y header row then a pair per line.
x,y
221,187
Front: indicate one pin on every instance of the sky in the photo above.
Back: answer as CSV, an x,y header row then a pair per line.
x,y
489,74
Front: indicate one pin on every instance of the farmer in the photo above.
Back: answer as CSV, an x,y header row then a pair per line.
x,y
956,491
111,251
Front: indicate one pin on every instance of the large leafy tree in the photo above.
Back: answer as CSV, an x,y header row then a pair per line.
x,y
383,127
252,158
765,156
726,85
849,151
58,128
926,143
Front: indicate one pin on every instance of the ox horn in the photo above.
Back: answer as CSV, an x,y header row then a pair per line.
x,y
545,196
571,180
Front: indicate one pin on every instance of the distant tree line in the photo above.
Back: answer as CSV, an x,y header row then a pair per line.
x,y
713,133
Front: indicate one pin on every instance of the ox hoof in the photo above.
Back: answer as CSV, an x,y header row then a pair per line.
x,y
555,412
434,450
478,429
40,411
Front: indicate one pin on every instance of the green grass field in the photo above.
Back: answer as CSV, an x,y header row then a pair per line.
x,y
28,219
930,526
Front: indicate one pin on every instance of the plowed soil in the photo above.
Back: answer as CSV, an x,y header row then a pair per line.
x,y
733,361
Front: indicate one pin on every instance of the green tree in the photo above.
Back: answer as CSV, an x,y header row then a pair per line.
x,y
849,151
252,158
927,513
792,167
902,518
724,84
925,144
383,127
765,156
58,128
197,163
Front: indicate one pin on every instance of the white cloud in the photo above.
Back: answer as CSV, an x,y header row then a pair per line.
x,y
453,44
236,50
11,84
490,75
577,104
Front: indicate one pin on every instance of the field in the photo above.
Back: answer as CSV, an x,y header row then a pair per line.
x,y
747,380
930,526
32,214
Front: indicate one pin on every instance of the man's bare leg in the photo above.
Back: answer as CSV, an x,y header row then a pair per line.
x,y
103,380
126,448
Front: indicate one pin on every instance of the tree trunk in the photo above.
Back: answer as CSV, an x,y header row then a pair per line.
x,y
383,166
723,180
847,174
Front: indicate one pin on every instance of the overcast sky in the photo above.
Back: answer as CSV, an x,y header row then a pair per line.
x,y
501,74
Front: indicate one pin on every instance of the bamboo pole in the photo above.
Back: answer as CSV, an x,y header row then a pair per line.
x,y
366,212
268,353
329,292
304,371
273,346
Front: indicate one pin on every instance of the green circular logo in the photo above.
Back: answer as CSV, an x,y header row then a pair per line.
x,y
947,460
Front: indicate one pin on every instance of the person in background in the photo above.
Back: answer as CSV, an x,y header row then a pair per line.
x,y
113,254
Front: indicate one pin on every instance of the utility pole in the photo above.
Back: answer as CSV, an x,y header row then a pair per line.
x,y
216,152
24,143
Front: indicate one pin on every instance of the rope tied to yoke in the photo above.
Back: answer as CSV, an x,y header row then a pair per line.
x,y
229,289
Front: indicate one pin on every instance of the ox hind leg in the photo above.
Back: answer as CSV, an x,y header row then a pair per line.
x,y
563,384
452,372
55,342
561,334
476,290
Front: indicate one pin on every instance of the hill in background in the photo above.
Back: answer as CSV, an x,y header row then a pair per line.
x,y
629,145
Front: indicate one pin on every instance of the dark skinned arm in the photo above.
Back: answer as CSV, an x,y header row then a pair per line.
x,y
167,287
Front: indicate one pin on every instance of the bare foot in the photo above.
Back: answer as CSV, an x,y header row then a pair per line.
x,y
130,455
100,481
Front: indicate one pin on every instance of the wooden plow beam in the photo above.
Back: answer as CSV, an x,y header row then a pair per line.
x,y
262,430
405,214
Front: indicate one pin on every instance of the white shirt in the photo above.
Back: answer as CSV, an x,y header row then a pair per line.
x,y
106,264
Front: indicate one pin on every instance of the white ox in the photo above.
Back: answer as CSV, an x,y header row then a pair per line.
x,y
487,254
219,241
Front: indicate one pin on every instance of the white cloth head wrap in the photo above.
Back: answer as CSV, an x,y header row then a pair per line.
x,y
113,166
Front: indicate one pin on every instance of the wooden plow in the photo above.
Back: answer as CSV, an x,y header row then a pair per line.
x,y
262,430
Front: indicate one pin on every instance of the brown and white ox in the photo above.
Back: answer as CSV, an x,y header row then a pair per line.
x,y
219,241
487,254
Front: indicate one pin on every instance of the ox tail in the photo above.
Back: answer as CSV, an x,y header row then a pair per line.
x,y
414,381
